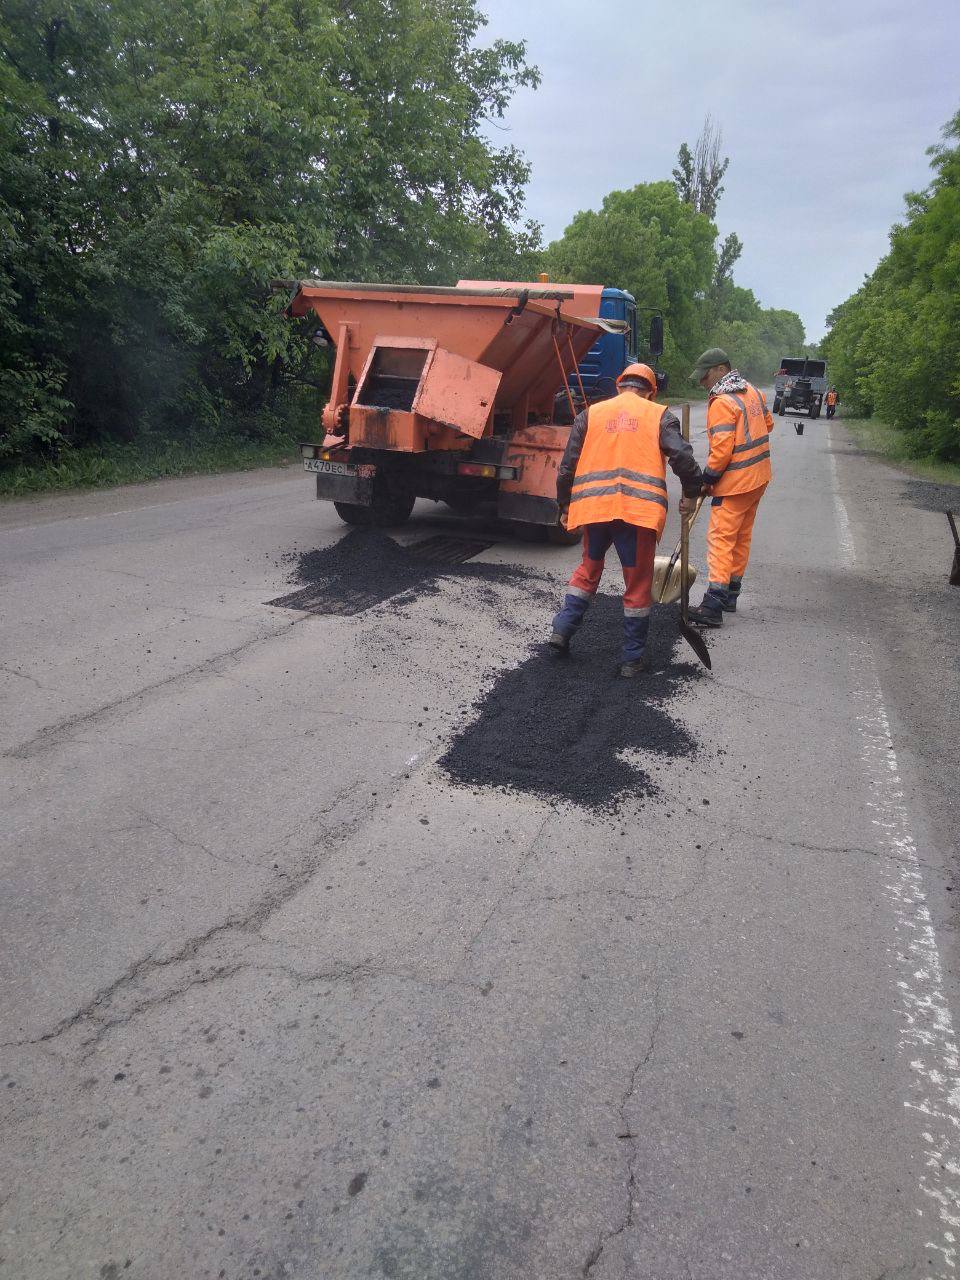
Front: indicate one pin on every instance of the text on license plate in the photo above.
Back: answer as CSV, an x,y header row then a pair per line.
x,y
329,468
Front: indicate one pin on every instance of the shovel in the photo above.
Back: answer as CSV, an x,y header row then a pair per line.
x,y
666,569
692,636
955,570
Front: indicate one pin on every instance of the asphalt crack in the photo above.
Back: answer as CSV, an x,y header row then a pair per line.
x,y
49,738
881,855
95,1013
12,671
185,843
511,891
627,1134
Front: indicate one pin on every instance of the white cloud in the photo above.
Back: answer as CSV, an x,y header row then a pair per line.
x,y
827,108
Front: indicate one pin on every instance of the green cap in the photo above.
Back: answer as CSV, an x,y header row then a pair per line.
x,y
712,356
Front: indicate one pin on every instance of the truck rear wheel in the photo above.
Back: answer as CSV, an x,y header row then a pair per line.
x,y
777,404
782,410
387,509
815,413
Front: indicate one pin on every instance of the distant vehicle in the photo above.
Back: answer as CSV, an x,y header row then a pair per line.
x,y
800,386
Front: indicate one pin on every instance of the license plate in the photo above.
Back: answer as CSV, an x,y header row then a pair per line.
x,y
329,468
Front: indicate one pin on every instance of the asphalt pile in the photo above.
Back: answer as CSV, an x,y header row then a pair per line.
x,y
554,726
367,567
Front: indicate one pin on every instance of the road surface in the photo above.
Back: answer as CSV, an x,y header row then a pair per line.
x,y
282,998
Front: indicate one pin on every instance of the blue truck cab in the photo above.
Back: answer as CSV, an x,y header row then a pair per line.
x,y
612,352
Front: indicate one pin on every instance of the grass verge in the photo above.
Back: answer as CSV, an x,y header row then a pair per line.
x,y
131,464
889,444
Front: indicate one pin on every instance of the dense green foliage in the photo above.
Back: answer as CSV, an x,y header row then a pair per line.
x,y
894,346
160,164
658,246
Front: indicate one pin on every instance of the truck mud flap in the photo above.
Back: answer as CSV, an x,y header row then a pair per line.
x,y
530,508
356,489
536,452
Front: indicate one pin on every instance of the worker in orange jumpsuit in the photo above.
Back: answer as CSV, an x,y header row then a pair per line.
x,y
832,401
612,484
737,473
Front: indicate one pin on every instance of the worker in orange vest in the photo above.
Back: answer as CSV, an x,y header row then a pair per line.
x,y
832,401
612,484
737,473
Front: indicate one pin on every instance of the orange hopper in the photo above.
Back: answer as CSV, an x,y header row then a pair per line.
x,y
471,371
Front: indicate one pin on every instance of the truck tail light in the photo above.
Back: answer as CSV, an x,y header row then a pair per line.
x,y
487,470
316,451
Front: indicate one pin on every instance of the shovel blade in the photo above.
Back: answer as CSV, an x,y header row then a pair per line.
x,y
696,642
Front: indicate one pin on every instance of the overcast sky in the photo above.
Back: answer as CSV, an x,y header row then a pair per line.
x,y
827,108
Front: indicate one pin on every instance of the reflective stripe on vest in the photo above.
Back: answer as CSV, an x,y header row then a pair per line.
x,y
631,490
621,472
751,444
748,462
746,416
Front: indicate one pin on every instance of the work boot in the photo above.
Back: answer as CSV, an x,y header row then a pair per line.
x,y
704,616
559,644
730,604
636,667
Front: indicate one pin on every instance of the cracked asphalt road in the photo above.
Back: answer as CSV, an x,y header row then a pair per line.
x,y
280,1000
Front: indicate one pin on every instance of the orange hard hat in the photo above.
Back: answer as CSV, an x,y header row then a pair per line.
x,y
639,371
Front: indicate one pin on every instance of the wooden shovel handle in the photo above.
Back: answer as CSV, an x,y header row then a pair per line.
x,y
685,532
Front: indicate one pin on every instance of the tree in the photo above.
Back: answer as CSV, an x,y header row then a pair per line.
x,y
698,176
647,241
161,164
894,346
727,257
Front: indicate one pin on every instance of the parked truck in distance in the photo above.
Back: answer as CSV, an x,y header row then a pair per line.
x,y
800,386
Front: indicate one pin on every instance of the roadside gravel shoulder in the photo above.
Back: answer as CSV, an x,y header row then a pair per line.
x,y
42,509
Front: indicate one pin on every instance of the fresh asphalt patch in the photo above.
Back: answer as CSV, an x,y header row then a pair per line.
x,y
556,726
366,567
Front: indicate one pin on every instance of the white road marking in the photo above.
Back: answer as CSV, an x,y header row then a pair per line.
x,y
928,1043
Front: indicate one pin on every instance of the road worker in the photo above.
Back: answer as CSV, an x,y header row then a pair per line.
x,y
736,475
612,484
832,401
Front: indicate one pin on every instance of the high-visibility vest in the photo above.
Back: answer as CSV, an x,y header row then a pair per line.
x,y
621,474
831,397
745,414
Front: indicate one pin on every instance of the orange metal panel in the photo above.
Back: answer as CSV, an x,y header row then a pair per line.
x,y
457,392
492,326
373,428
536,453
400,431
579,299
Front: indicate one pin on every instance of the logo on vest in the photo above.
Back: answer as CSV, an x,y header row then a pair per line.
x,y
621,422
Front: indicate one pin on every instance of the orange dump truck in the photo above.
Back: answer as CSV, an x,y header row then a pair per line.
x,y
447,393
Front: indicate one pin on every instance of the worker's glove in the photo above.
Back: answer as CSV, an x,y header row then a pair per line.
x,y
564,512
